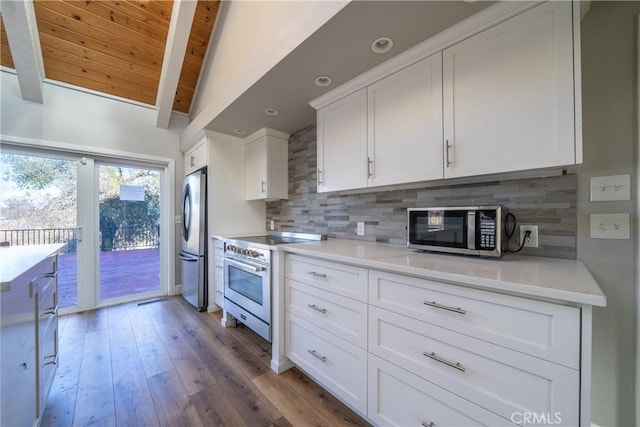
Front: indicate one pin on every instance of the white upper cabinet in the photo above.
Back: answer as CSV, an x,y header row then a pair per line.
x,y
405,125
342,143
196,158
267,170
505,98
509,95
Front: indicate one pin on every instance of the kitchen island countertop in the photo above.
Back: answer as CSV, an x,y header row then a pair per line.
x,y
17,260
563,280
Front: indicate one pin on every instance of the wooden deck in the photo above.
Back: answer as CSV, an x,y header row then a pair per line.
x,y
121,273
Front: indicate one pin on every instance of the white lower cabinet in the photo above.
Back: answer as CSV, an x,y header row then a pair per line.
x,y
399,398
339,366
501,380
424,352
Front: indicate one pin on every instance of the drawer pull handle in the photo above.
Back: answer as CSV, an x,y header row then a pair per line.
x,y
53,362
50,310
315,354
445,307
321,275
426,424
316,308
433,356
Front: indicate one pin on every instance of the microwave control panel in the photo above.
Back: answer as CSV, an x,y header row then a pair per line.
x,y
487,223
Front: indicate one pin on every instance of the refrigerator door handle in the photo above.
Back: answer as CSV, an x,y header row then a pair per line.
x,y
189,258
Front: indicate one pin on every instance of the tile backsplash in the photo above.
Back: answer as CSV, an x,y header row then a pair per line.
x,y
549,203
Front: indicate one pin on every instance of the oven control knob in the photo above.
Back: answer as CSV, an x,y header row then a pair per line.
x,y
254,254
244,251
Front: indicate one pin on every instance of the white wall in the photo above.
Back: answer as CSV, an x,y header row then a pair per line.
x,y
97,123
610,136
251,37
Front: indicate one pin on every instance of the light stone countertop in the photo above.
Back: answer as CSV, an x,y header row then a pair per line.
x,y
562,280
17,260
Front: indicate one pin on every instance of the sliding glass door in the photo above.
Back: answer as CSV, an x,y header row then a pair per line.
x,y
38,205
129,231
108,213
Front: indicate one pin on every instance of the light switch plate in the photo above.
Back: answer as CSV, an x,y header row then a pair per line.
x,y
608,188
360,229
609,226
178,219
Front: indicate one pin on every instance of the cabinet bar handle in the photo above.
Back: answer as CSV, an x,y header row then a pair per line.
x,y
320,181
426,424
315,354
53,362
445,307
321,275
448,146
50,310
369,167
433,356
316,308
262,185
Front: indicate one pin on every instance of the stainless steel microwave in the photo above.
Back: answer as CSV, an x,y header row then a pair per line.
x,y
467,230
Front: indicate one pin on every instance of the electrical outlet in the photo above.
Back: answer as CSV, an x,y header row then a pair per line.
x,y
272,225
360,229
532,240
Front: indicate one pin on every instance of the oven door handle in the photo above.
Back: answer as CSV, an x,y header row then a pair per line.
x,y
245,267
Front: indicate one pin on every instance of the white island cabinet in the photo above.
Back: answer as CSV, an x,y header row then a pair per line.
x,y
450,340
29,337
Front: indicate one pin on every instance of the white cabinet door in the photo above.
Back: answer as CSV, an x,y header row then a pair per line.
x,y
399,398
342,143
509,95
256,155
266,165
405,125
339,366
196,158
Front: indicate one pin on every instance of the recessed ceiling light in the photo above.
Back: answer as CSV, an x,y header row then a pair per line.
x,y
271,112
382,45
323,81
239,131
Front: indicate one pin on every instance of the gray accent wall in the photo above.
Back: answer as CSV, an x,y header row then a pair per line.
x,y
610,127
549,203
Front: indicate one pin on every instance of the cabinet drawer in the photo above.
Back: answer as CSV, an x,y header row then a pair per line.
x,y
501,380
338,365
342,279
545,330
338,315
48,361
399,398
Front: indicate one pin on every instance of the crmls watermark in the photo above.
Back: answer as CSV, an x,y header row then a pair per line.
x,y
536,418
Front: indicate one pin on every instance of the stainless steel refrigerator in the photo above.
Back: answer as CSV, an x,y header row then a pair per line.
x,y
193,254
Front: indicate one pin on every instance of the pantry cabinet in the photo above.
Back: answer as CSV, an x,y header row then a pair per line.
x,y
504,99
267,165
509,95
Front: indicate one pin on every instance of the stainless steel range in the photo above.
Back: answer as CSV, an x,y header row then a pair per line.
x,y
247,277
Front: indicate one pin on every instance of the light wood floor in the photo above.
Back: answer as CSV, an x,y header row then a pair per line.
x,y
166,364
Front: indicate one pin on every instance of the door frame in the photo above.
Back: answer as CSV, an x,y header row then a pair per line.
x,y
88,215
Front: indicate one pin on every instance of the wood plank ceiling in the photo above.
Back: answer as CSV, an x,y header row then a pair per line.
x,y
116,47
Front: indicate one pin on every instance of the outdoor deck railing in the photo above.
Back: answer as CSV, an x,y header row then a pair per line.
x,y
112,238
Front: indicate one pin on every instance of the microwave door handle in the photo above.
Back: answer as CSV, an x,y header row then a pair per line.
x,y
245,267
471,230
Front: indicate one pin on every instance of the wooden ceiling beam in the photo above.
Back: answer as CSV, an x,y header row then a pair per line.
x,y
22,33
174,55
